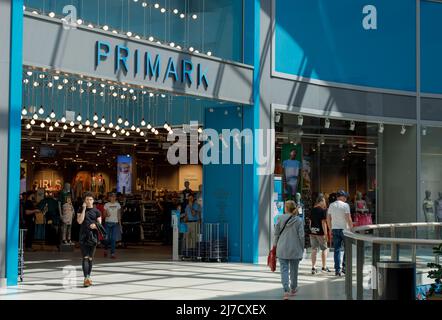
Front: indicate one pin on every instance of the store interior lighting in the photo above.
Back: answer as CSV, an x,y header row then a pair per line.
x,y
327,123
403,130
352,126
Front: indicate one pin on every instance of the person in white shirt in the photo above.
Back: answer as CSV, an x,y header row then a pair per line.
x,y
112,212
339,218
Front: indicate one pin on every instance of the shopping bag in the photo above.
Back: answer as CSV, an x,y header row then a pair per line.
x,y
271,259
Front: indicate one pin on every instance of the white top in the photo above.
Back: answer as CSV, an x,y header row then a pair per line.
x,y
338,210
112,209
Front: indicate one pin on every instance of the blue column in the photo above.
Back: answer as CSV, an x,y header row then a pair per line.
x,y
11,37
250,226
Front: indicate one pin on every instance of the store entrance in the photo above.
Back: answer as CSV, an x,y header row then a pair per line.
x,y
333,155
87,135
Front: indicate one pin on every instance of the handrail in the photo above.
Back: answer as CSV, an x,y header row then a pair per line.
x,y
384,240
356,236
381,240
397,225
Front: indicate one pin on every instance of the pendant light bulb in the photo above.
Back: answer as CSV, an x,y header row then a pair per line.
x,y
42,125
56,124
108,131
72,123
41,110
48,119
103,120
111,125
88,129
32,121
102,129
79,117
149,126
166,126
24,111
143,123
138,130
120,121
80,126
95,125
114,135
93,132
95,118
87,122
132,128
35,116
65,127
126,123
52,115
63,119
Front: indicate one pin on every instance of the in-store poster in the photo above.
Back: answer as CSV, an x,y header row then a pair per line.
x,y
291,156
23,176
124,174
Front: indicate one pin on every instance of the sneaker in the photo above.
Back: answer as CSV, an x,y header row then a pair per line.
x,y
286,296
338,274
105,253
86,282
314,271
113,256
326,269
293,292
89,280
343,271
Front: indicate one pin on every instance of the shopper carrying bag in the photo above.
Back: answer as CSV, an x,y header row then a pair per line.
x,y
271,259
288,242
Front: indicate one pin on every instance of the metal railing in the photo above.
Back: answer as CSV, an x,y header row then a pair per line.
x,y
360,236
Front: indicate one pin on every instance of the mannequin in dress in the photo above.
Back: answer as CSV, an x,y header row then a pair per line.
x,y
360,204
438,207
428,207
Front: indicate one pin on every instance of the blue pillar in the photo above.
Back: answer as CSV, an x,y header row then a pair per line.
x,y
250,226
11,38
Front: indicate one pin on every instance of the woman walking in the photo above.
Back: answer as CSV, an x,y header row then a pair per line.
x,y
88,219
289,242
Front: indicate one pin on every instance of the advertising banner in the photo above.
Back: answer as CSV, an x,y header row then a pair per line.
x,y
291,170
124,174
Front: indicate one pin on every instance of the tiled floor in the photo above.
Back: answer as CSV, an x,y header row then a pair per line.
x,y
149,273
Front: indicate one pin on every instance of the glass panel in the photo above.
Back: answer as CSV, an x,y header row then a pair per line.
x,y
431,175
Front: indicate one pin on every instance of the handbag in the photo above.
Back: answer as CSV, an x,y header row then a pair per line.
x,y
271,258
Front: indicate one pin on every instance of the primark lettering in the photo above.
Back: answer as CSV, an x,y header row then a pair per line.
x,y
150,66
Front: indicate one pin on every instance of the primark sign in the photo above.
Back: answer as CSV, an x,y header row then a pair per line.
x,y
151,66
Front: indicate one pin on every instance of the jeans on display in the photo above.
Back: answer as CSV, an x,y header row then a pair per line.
x,y
286,265
338,243
111,230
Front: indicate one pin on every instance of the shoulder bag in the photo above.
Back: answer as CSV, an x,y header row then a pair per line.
x,y
271,258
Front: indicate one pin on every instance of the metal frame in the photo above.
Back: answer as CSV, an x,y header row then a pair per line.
x,y
357,236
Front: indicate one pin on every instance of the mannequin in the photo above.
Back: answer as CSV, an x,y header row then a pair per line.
x,y
428,207
360,204
101,184
300,205
79,188
438,206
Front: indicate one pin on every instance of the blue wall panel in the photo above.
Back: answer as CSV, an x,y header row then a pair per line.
x,y
431,47
325,40
14,144
223,183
